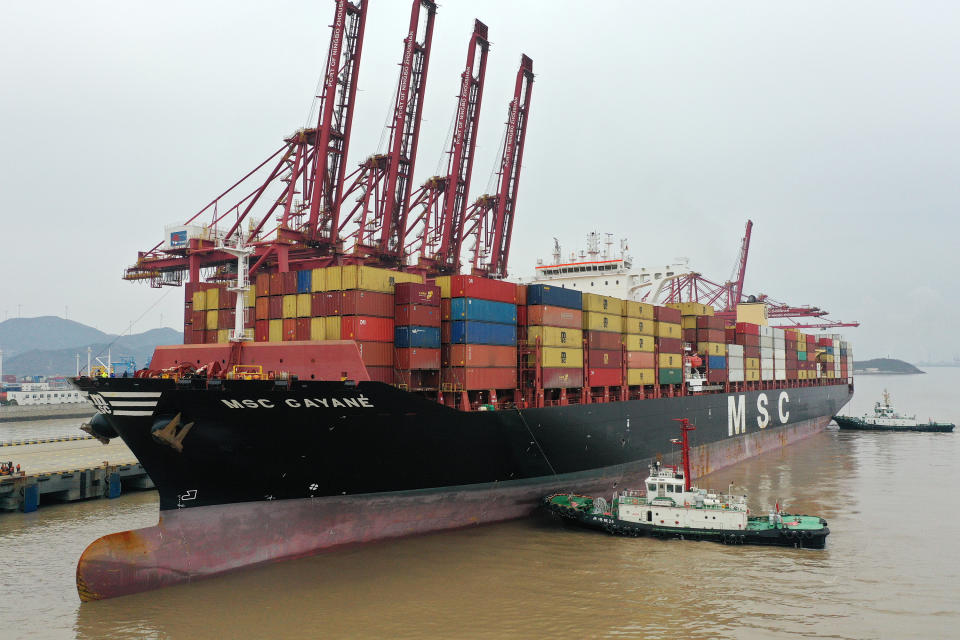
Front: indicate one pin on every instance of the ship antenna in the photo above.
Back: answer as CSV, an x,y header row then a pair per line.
x,y
685,449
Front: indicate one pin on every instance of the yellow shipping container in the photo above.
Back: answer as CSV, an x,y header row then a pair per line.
x,y
331,328
636,377
212,319
333,279
712,348
290,306
444,283
752,375
318,280
603,304
688,322
212,300
633,309
667,330
199,301
318,328
595,321
250,297
751,363
639,326
276,331
303,305
559,358
670,361
639,343
375,278
223,336
555,336
692,308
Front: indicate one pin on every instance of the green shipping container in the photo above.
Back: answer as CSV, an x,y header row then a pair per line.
x,y
671,376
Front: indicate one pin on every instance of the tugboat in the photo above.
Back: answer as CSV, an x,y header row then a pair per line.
x,y
885,418
670,507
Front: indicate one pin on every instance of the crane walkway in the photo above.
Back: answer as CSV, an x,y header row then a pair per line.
x,y
66,470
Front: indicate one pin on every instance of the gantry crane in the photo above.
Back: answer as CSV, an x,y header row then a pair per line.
x,y
489,221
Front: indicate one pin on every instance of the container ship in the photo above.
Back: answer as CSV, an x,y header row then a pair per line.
x,y
342,381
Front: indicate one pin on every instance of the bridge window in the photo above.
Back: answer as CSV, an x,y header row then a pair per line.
x,y
649,516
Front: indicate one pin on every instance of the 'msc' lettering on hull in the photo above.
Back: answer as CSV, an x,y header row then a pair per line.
x,y
737,412
360,402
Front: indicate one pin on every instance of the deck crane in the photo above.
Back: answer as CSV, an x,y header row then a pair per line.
x,y
490,219
310,163
694,287
383,182
437,207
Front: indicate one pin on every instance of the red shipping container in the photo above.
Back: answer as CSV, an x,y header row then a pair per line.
x,y
263,285
275,307
317,305
717,375
415,293
562,378
811,339
288,280
332,301
276,284
479,355
368,328
210,337
188,335
199,319
366,303
226,318
825,342
605,359
445,309
261,331
731,336
790,345
641,360
289,328
748,328
602,340
418,358
670,345
710,322
262,308
376,354
303,329
748,339
751,352
689,335
483,288
711,335
604,377
444,332
381,374
547,316
522,315
666,314
522,294
228,299
478,378
417,314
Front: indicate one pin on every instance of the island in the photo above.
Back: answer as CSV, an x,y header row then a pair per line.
x,y
884,365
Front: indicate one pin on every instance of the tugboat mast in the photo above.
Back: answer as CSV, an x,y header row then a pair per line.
x,y
685,450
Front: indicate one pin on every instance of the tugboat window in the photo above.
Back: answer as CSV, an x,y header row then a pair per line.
x,y
649,516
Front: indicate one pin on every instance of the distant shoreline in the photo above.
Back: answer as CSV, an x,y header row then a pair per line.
x,y
887,373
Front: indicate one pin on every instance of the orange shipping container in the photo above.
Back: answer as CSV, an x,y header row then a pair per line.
x,y
289,329
640,360
376,354
554,317
479,355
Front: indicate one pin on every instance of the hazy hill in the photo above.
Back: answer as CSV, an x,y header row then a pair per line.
x,y
48,345
884,365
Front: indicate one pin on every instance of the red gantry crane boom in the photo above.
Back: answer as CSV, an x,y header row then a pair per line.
x,y
383,181
441,201
491,216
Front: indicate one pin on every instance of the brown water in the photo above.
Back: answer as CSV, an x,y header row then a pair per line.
x,y
890,570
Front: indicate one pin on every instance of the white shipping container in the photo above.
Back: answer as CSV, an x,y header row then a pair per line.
x,y
766,342
766,352
766,332
779,334
734,350
779,343
735,363
735,375
766,375
779,375
766,364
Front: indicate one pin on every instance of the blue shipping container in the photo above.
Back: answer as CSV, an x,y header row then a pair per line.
x,y
483,310
716,362
416,337
554,296
465,332
304,280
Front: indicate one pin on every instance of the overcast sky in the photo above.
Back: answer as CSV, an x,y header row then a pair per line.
x,y
834,126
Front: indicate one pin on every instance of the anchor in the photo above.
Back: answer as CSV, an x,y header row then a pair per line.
x,y
169,435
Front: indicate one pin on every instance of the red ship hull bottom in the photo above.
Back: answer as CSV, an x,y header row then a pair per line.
x,y
203,542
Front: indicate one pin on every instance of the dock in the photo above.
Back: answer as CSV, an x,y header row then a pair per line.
x,y
68,469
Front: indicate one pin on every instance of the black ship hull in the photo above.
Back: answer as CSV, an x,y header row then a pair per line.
x,y
251,471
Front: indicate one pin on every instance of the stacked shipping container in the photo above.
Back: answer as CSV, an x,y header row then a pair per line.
x,y
669,345
639,340
554,317
602,322
417,334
